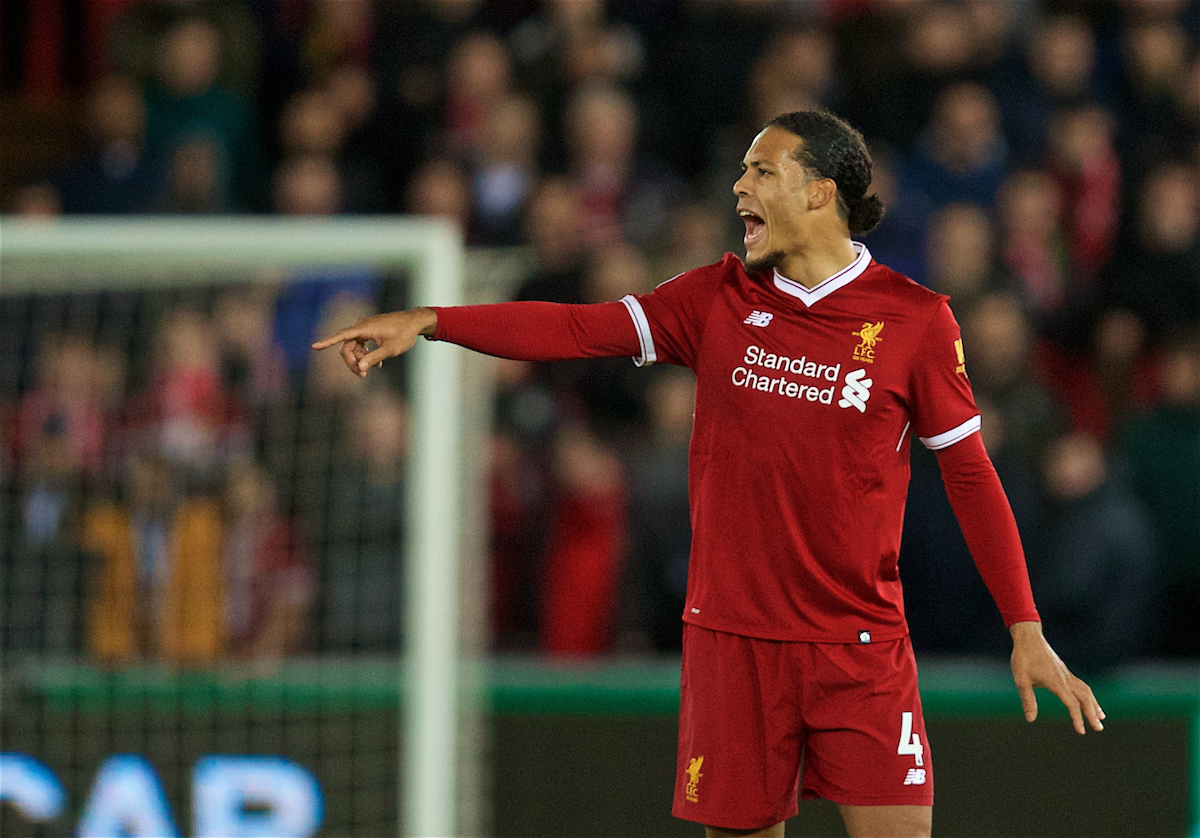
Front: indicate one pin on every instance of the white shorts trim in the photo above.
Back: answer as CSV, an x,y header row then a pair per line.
x,y
640,322
945,440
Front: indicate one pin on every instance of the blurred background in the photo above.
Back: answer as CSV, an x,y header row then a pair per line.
x,y
202,523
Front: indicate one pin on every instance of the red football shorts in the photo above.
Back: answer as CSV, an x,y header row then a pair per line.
x,y
763,720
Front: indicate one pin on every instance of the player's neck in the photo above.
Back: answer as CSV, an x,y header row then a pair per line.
x,y
812,265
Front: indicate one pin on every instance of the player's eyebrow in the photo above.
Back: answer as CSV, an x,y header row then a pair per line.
x,y
758,164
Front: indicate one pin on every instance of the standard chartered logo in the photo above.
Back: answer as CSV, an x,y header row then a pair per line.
x,y
800,378
857,391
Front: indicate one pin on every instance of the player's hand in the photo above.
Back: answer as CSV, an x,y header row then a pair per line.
x,y
1035,664
393,334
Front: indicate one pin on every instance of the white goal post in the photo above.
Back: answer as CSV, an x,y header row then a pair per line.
x,y
78,255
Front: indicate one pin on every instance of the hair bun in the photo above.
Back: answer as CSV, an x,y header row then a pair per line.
x,y
865,214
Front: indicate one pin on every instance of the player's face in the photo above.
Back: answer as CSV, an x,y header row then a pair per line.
x,y
772,199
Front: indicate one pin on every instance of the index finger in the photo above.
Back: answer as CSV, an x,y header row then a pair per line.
x,y
350,333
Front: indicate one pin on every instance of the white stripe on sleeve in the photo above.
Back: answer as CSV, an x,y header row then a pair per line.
x,y
945,440
642,324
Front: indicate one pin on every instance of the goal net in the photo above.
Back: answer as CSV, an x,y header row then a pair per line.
x,y
230,571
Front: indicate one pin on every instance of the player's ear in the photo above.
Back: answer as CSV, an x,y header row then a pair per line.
x,y
821,192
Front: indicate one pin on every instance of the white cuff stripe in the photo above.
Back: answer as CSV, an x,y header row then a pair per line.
x,y
642,324
937,443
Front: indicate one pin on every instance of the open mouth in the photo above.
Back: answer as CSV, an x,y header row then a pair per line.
x,y
755,227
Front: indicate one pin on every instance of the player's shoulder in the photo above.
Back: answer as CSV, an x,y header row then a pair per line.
x,y
903,289
728,269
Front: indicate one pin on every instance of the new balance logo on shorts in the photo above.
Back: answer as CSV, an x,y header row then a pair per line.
x,y
915,777
758,318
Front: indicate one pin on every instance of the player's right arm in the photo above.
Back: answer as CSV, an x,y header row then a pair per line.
x,y
523,331
665,325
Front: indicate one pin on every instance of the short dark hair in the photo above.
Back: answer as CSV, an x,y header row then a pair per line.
x,y
832,149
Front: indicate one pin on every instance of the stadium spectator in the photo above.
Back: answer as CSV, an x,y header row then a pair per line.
x,y
338,32
116,174
622,197
1083,159
157,584
268,578
946,604
1109,381
441,188
1155,53
478,74
312,122
133,40
585,547
518,505
56,458
38,201
309,185
414,41
1095,574
659,524
253,366
1032,244
305,441
364,158
899,62
63,408
900,237
695,235
961,156
361,547
997,336
960,255
505,169
194,180
554,229
184,414
1162,452
573,41
185,105
1155,271
1058,68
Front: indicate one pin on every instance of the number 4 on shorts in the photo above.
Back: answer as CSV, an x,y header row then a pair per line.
x,y
910,743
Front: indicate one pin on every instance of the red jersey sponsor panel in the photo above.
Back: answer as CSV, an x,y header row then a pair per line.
x,y
799,457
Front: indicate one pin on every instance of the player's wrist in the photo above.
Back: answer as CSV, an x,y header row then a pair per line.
x,y
1025,629
427,319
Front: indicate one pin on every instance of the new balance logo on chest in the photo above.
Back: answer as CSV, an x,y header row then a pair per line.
x,y
758,318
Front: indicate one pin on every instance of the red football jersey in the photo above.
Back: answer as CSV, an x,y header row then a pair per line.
x,y
800,449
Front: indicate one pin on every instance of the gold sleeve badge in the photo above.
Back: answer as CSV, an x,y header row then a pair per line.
x,y
962,359
692,789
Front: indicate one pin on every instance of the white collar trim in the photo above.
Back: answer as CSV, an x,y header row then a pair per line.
x,y
823,289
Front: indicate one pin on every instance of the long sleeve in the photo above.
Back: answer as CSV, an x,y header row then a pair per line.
x,y
987,524
538,331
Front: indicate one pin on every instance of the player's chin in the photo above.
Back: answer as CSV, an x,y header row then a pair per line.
x,y
763,262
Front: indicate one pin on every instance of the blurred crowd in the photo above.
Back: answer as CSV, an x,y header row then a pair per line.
x,y
208,490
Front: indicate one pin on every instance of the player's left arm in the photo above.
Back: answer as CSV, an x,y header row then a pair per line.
x,y
947,420
988,526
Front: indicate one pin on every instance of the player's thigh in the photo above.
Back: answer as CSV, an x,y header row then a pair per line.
x,y
865,730
740,734
887,821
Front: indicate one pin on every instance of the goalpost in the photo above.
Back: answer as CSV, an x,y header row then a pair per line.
x,y
88,255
